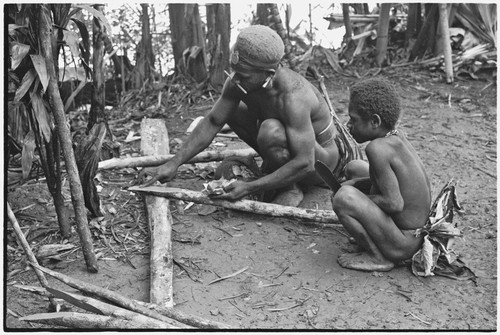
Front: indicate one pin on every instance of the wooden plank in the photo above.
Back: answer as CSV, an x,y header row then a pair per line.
x,y
154,141
257,207
156,160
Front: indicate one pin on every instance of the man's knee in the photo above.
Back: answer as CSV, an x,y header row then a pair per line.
x,y
272,133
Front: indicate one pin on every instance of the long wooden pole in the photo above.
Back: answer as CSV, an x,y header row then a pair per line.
x,y
154,141
445,31
257,207
66,142
156,160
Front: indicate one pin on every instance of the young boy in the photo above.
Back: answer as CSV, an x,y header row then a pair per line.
x,y
383,222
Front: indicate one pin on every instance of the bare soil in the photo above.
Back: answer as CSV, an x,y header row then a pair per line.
x,y
293,280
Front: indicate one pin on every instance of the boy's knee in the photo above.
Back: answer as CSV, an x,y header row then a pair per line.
x,y
357,169
344,198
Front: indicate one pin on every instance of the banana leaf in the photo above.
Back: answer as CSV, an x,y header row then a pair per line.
x,y
436,256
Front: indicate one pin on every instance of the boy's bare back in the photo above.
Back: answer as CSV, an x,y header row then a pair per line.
x,y
403,161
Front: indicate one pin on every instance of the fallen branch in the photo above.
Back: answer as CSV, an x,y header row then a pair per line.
x,y
151,310
29,253
84,321
257,207
228,276
102,308
146,161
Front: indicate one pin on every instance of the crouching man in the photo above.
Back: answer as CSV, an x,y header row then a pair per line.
x,y
383,222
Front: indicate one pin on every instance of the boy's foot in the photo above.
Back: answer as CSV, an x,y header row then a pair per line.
x,y
289,196
364,262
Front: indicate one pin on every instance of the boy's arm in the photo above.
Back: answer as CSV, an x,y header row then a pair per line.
x,y
388,197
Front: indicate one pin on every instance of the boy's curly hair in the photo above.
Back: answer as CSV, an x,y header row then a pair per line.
x,y
377,96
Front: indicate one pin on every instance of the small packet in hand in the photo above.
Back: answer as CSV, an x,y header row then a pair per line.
x,y
216,187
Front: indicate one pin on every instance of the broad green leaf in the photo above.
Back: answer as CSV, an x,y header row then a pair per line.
x,y
97,14
28,79
71,39
41,70
28,153
42,115
18,51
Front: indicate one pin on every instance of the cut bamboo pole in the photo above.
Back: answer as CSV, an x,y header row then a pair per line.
x,y
382,33
151,310
156,160
98,307
29,253
445,30
154,141
257,207
75,321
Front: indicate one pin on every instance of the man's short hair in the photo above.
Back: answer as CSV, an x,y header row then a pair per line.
x,y
377,96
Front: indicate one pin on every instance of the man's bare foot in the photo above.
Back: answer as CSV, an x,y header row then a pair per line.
x,y
364,262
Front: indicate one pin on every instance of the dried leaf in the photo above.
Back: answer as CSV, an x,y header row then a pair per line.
x,y
28,153
18,52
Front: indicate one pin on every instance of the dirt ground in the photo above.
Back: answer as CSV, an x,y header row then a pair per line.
x,y
292,280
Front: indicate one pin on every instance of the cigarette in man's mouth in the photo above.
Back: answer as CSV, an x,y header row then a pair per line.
x,y
238,85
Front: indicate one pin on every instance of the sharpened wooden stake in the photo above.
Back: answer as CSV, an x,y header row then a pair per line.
x,y
154,141
257,207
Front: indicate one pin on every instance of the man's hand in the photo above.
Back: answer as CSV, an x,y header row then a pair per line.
x,y
234,191
163,173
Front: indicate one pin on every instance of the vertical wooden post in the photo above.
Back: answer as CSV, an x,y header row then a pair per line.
x,y
383,31
154,141
445,30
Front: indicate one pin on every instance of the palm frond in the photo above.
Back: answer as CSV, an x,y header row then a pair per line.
x,y
480,19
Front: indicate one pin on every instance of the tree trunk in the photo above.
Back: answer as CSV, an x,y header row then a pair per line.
x,y
414,13
188,40
96,113
276,23
219,36
347,23
145,58
65,136
426,33
262,14
382,32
